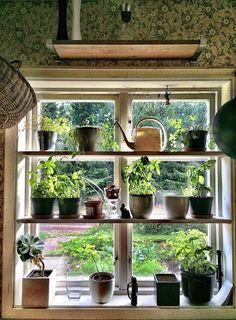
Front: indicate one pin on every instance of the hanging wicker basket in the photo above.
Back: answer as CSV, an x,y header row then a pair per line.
x,y
16,95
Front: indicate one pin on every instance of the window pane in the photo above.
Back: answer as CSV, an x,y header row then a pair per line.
x,y
190,114
81,114
72,246
149,253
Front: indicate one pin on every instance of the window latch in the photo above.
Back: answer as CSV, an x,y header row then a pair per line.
x,y
116,259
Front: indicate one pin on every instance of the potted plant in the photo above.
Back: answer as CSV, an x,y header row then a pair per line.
x,y
193,136
112,196
42,181
200,202
101,284
139,176
68,188
38,286
190,249
48,129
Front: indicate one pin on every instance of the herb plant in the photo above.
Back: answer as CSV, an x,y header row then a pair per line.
x,y
139,176
69,185
30,248
58,124
42,179
196,180
191,251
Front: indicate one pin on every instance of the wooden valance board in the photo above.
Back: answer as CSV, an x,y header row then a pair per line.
x,y
160,50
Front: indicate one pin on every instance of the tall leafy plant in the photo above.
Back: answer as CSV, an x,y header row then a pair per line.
x,y
139,176
43,180
69,185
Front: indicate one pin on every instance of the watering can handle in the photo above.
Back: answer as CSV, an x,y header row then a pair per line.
x,y
162,128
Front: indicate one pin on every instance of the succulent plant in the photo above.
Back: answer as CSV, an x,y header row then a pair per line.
x,y
30,247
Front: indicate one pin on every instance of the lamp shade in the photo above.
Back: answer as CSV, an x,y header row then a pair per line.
x,y
224,128
16,95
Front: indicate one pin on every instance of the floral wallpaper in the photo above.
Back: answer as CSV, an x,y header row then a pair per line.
x,y
26,24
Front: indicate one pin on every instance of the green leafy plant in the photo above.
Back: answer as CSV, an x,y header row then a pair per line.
x,y
43,180
106,140
30,248
191,251
196,181
176,138
58,124
69,185
139,176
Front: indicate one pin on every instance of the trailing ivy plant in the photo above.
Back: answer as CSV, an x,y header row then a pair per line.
x,y
43,180
190,249
106,140
196,180
30,248
139,176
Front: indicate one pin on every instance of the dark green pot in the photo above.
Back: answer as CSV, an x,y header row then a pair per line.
x,y
47,140
69,207
166,289
42,208
201,207
198,288
87,138
195,140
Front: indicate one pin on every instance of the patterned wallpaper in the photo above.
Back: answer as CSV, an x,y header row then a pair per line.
x,y
26,24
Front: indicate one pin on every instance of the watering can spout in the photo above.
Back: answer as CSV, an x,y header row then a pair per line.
x,y
130,144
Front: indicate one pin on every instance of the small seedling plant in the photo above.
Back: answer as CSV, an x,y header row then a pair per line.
x,y
30,248
139,176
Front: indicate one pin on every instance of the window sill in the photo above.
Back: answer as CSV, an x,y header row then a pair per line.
x,y
123,301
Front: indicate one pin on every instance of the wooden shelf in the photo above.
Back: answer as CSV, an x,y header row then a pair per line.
x,y
104,49
160,154
119,220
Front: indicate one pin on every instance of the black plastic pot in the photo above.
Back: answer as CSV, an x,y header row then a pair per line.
x,y
87,138
198,288
47,140
42,208
69,207
201,207
195,140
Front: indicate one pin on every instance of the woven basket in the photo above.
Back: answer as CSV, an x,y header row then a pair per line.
x,y
16,95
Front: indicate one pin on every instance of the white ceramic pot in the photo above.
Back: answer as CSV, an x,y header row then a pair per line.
x,y
101,287
176,207
141,206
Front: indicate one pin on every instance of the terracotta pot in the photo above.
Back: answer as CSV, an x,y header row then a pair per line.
x,y
94,208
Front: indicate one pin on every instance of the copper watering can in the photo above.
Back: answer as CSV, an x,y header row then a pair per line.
x,y
146,138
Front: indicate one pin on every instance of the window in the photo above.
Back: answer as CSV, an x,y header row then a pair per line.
x,y
123,248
